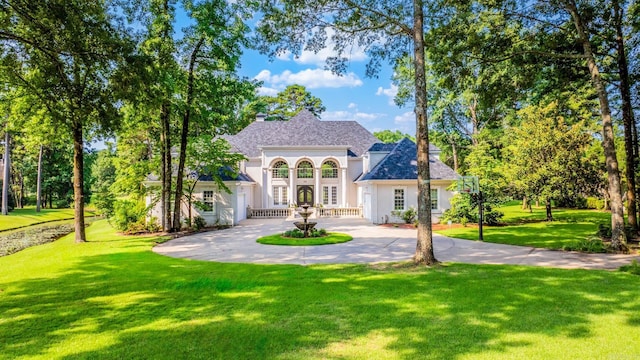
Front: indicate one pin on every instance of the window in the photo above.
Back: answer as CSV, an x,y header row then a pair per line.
x,y
398,199
305,170
281,170
329,195
329,170
434,199
280,195
208,200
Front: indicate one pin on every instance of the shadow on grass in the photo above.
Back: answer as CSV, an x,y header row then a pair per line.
x,y
137,304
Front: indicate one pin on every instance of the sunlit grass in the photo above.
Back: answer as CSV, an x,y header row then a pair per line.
x,y
18,218
330,238
530,228
113,298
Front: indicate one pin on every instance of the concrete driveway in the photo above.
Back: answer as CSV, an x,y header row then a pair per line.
x,y
370,244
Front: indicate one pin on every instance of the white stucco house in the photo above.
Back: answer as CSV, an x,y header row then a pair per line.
x,y
338,167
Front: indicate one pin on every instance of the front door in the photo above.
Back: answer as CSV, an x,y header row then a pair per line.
x,y
305,195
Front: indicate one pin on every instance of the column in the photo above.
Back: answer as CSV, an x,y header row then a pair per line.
x,y
266,189
292,187
316,197
344,187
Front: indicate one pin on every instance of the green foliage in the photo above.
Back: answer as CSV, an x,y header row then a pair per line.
x,y
289,102
199,222
129,216
589,245
294,233
409,215
104,173
595,203
633,268
317,237
390,137
464,208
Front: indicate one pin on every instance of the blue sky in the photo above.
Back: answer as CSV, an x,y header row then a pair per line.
x,y
353,96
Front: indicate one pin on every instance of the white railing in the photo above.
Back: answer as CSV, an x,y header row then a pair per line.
x,y
269,213
339,212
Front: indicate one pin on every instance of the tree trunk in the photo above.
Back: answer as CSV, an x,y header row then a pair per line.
x,y
184,137
627,117
474,121
78,181
525,202
548,208
618,237
39,181
165,153
6,174
454,150
424,248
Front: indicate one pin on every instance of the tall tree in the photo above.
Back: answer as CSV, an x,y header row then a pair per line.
x,y
65,52
388,30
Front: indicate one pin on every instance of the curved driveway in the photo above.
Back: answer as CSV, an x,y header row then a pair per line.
x,y
370,244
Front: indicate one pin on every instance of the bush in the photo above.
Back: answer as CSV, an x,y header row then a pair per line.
x,y
129,216
633,268
604,231
595,203
295,233
62,204
590,245
409,216
199,222
464,209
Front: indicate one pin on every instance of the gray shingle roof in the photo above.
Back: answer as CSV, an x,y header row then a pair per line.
x,y
402,164
303,129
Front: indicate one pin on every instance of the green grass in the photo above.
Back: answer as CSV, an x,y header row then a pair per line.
x,y
331,238
531,229
18,218
113,298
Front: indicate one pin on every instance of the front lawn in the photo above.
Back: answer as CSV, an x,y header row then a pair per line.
x,y
113,298
18,218
531,229
330,238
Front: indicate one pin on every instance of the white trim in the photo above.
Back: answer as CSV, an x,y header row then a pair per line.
x,y
404,197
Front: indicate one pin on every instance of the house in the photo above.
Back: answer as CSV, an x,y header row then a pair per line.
x,y
336,166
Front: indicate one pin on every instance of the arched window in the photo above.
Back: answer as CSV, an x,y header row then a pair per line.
x,y
280,170
305,170
329,170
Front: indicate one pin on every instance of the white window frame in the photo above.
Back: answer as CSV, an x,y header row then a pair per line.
x,y
280,195
300,170
331,172
330,195
209,198
280,172
404,198
435,200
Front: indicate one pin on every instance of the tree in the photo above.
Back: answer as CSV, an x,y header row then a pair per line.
x,y
547,155
290,101
390,137
104,172
388,30
65,53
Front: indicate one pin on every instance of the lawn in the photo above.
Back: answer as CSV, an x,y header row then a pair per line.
x,y
330,238
531,229
18,218
114,298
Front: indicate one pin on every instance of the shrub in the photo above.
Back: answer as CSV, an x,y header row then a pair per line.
x,y
199,222
595,203
129,216
591,245
604,231
409,216
294,233
464,209
633,268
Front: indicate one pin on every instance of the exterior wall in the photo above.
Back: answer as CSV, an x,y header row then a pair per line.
x,y
381,202
253,168
355,169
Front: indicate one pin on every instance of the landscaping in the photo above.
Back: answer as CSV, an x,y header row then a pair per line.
x,y
113,298
281,239
530,228
19,218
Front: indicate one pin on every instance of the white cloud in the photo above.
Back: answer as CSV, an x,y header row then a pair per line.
x,y
352,106
342,115
267,91
309,78
285,56
406,117
391,93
